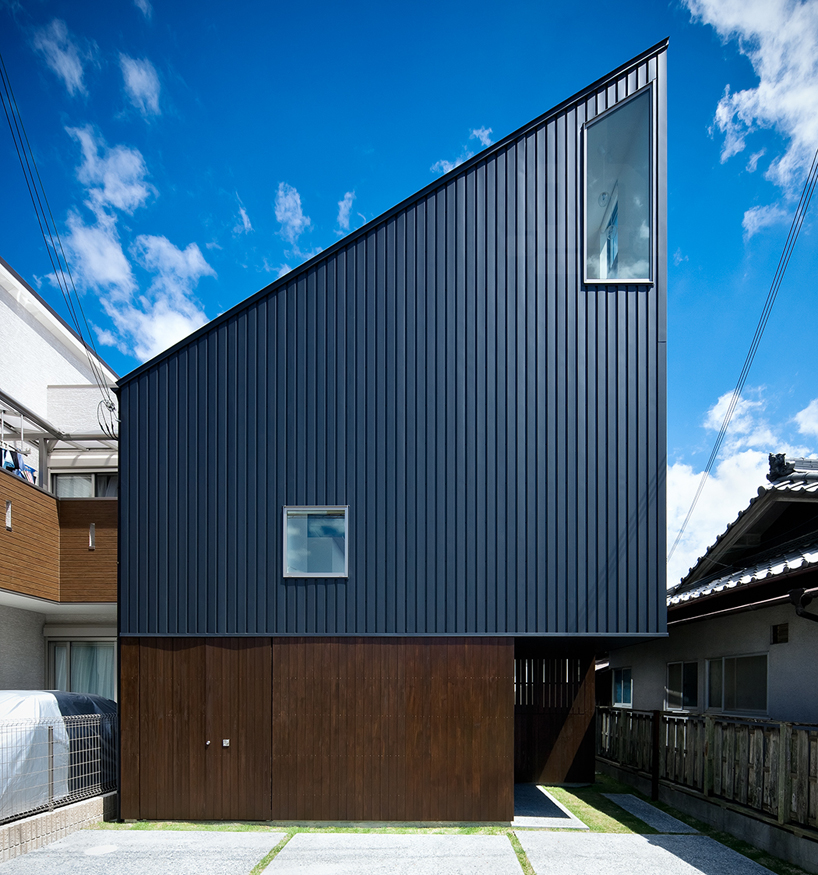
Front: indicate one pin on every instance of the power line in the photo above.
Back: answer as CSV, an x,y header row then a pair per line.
x,y
56,253
783,261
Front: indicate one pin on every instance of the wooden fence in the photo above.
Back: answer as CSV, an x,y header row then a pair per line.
x,y
761,765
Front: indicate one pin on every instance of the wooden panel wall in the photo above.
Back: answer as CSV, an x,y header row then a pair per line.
x,y
410,729
553,717
31,550
176,695
88,575
392,729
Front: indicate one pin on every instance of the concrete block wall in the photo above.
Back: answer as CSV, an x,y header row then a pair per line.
x,y
39,830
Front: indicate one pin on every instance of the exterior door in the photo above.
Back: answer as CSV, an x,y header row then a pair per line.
x,y
178,694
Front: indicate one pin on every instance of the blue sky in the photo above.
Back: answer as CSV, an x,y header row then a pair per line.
x,y
191,152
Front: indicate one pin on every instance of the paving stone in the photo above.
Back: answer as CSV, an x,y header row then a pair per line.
x,y
555,853
650,814
397,854
147,852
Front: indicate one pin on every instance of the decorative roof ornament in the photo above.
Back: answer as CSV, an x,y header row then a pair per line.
x,y
779,467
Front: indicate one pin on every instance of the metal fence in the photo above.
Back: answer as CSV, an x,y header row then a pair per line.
x,y
48,763
761,765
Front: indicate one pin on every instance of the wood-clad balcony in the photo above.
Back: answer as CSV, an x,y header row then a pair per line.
x,y
62,550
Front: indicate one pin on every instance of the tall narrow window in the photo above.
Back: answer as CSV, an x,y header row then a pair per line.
x,y
315,542
622,687
618,187
682,685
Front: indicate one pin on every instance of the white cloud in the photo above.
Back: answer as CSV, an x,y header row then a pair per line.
x,y
289,213
344,206
64,55
141,84
732,483
748,427
780,38
729,489
752,161
282,270
96,256
115,177
757,218
678,258
807,419
444,166
146,328
243,225
144,7
481,134
150,322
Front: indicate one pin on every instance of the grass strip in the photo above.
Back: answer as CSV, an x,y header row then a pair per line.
x,y
265,861
522,857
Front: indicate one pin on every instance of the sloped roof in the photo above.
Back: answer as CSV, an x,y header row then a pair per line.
x,y
717,568
797,557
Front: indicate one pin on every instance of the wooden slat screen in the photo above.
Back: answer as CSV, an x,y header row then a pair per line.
x,y
553,717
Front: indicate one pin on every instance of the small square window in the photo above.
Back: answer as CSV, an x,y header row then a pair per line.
x,y
316,542
780,633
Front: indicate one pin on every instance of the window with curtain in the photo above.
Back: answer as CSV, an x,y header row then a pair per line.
x,y
84,667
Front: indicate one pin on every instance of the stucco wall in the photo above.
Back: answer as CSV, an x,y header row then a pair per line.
x,y
792,682
22,650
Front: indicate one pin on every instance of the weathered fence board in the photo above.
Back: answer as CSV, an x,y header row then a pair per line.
x,y
760,765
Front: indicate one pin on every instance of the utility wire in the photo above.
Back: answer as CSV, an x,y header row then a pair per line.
x,y
783,261
106,409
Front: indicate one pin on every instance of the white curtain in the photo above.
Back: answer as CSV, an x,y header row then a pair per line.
x,y
92,668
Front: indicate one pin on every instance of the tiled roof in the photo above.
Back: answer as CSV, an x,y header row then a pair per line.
x,y
796,485
797,556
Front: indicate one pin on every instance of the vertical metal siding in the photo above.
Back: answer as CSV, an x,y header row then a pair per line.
x,y
496,426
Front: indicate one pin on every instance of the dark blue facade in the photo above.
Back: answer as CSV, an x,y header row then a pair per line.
x,y
496,425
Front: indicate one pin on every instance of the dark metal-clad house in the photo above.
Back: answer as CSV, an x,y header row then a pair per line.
x,y
377,518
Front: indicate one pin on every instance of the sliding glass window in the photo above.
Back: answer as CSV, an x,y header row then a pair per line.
x,y
618,193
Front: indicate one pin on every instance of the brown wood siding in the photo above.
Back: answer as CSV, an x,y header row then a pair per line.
x,y
397,729
178,694
88,575
30,552
407,729
553,717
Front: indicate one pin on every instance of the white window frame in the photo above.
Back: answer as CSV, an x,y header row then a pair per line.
x,y
721,709
682,707
102,472
653,170
315,508
613,687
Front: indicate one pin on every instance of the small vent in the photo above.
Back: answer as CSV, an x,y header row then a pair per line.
x,y
780,634
92,536
8,516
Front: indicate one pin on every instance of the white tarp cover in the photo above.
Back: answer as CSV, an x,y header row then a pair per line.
x,y
26,779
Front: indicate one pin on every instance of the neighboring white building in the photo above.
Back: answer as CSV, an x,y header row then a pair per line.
x,y
58,546
736,644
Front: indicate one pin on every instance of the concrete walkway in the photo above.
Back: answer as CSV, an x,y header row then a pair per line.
x,y
200,852
147,852
649,814
590,854
413,854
